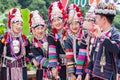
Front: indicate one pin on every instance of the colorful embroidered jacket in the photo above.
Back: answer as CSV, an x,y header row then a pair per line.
x,y
55,49
10,59
75,55
57,54
39,50
7,39
104,57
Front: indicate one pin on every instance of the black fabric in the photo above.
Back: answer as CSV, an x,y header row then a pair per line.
x,y
111,53
62,73
25,73
3,73
39,74
10,73
37,52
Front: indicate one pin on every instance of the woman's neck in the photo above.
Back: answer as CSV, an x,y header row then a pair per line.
x,y
43,37
15,34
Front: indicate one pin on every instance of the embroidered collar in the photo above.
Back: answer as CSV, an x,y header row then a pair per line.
x,y
73,36
38,42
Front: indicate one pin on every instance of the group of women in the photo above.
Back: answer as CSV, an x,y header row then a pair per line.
x,y
77,48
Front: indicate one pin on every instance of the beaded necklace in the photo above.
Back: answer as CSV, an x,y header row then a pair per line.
x,y
21,47
43,44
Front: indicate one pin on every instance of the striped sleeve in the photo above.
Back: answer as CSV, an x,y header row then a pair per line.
x,y
81,60
69,57
52,54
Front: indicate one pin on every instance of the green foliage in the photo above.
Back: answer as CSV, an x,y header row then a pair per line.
x,y
116,21
24,3
2,29
25,15
7,4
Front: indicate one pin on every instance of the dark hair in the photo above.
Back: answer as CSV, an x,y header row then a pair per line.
x,y
38,25
59,18
109,17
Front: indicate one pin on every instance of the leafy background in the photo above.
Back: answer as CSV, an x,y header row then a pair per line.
x,y
29,5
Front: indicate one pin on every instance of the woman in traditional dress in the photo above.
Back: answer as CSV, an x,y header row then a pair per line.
x,y
14,49
39,45
56,38
75,44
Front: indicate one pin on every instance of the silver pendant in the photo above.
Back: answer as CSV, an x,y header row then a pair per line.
x,y
16,46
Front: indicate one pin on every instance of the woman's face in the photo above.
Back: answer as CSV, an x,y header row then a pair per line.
x,y
39,30
17,27
74,27
88,24
57,23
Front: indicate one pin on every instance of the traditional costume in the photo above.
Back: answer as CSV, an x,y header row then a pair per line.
x,y
104,56
14,49
75,43
39,45
88,25
56,40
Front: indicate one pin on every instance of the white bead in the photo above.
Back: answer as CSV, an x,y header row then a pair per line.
x,y
16,49
45,45
92,40
15,42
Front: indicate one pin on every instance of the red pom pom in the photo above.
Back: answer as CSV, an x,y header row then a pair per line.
x,y
12,16
65,16
77,9
54,31
67,9
8,15
60,5
30,29
63,11
8,22
14,10
30,22
50,9
79,14
74,5
5,35
31,15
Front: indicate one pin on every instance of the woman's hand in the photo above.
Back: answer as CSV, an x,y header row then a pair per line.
x,y
55,73
36,64
97,31
87,77
73,77
118,77
79,77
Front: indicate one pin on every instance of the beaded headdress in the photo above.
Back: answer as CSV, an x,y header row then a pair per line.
x,y
74,13
55,10
14,15
36,19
